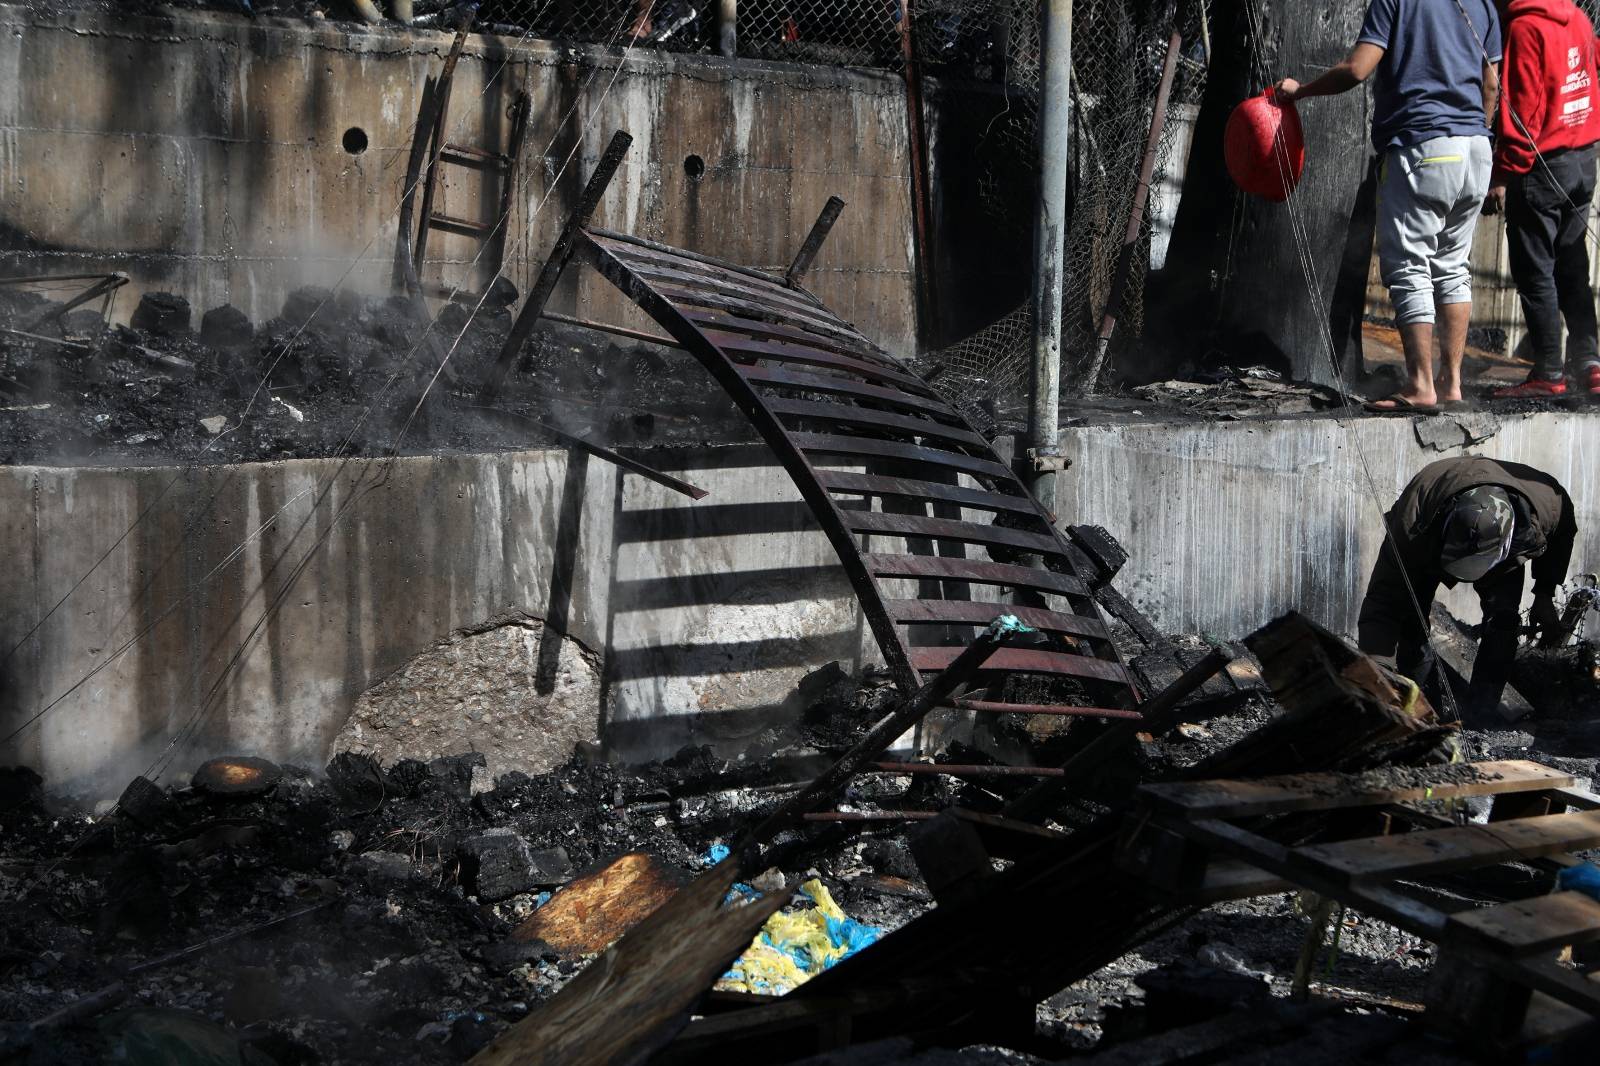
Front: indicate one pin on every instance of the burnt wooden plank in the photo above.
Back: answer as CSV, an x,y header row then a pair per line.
x,y
733,344
900,525
790,333
975,570
1435,851
935,611
866,447
833,383
744,310
1531,926
1307,792
1025,661
850,415
633,998
880,485
618,244
688,274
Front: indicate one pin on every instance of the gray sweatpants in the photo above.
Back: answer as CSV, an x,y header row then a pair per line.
x,y
1429,198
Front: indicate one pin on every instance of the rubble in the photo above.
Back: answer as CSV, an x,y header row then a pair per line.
x,y
509,687
330,375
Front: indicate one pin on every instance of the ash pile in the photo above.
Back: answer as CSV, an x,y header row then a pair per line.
x,y
331,375
1248,873
360,914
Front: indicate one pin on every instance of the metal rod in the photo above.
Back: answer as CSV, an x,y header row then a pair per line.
x,y
109,283
880,736
31,279
813,242
1141,197
968,769
84,1007
236,934
550,273
508,178
919,174
1049,251
988,706
868,816
728,28
1081,769
600,451
621,331
47,340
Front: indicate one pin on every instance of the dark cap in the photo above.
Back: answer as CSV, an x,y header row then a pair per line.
x,y
1477,532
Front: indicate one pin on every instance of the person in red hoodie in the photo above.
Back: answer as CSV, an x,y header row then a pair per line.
x,y
1543,179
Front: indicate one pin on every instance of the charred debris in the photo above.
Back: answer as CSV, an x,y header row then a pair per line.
x,y
1055,907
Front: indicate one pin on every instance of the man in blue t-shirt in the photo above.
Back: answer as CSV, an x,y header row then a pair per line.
x,y
1436,87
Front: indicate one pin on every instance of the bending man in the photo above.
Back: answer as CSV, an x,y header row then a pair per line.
x,y
1475,520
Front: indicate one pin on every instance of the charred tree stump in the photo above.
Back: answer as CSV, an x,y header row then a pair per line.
x,y
1234,261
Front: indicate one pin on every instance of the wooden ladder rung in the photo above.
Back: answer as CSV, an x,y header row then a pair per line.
x,y
460,225
1530,926
1435,851
478,158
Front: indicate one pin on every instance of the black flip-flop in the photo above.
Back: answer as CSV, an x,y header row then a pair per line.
x,y
1399,405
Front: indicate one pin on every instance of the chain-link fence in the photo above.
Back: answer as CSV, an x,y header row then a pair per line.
x,y
981,61
1118,52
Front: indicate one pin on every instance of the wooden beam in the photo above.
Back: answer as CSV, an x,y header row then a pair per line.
x,y
1435,851
1316,792
635,997
1531,926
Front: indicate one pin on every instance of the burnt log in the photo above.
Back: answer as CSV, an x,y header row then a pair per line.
x,y
499,864
162,314
147,805
1233,267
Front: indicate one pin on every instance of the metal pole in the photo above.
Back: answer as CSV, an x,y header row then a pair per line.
x,y
1042,456
1141,197
728,28
921,208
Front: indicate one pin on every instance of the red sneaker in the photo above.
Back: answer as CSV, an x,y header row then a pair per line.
x,y
1591,380
1539,389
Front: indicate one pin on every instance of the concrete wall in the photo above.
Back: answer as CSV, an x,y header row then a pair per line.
x,y
706,614
204,153
170,650
1230,524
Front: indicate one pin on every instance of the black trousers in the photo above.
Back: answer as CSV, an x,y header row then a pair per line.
x,y
1500,596
1547,212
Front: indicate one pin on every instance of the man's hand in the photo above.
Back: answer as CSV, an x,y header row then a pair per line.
x,y
1286,91
1543,615
1495,202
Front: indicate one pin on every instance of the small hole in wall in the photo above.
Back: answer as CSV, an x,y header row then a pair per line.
x,y
694,166
355,140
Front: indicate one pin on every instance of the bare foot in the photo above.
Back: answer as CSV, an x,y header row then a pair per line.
x,y
1404,401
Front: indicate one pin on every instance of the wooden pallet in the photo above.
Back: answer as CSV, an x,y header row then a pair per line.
x,y
1497,981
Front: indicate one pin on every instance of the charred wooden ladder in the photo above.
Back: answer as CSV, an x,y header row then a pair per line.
x,y
431,133
1497,980
852,425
